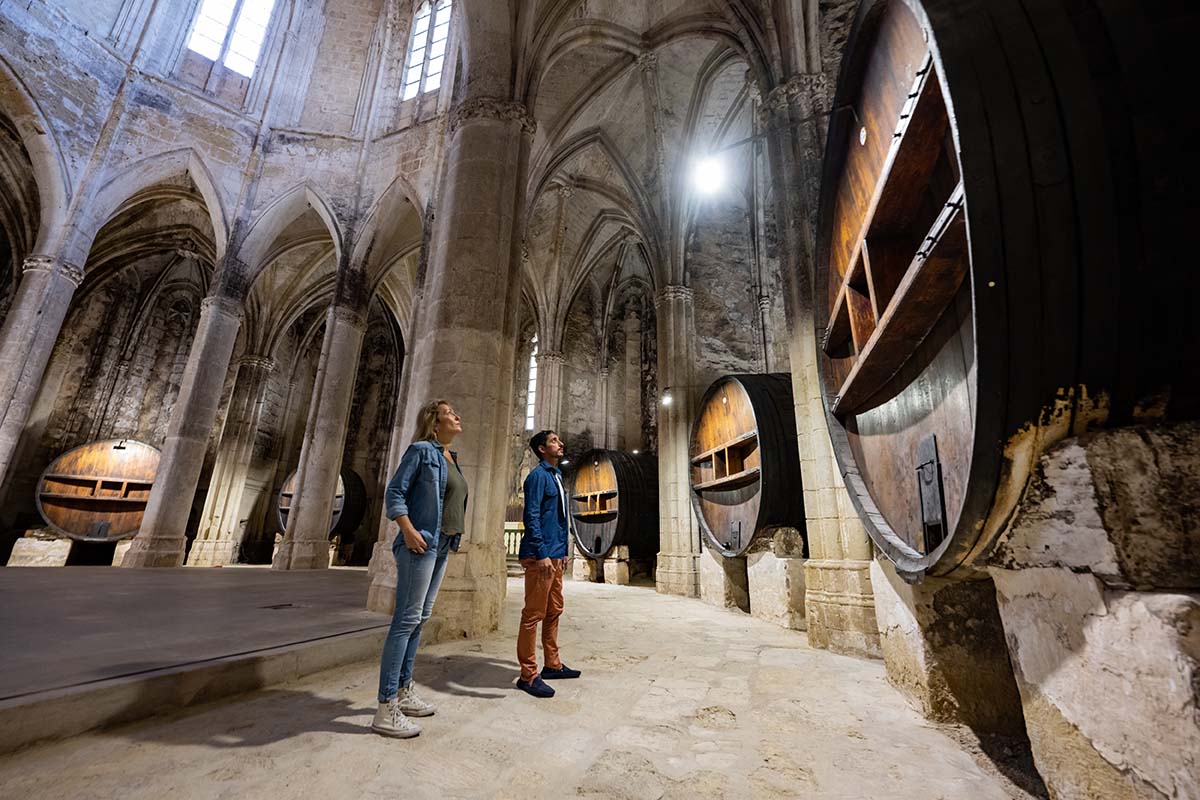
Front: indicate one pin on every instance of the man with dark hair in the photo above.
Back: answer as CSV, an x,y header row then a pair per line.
x,y
543,554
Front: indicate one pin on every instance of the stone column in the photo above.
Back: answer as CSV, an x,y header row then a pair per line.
x,y
161,540
26,341
679,535
305,543
465,347
219,537
631,397
547,411
838,597
604,435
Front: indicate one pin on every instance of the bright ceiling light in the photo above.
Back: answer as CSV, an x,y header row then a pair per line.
x,y
708,175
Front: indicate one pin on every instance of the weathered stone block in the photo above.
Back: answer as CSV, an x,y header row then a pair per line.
x,y
585,569
616,572
31,552
776,589
118,554
1110,682
944,648
723,581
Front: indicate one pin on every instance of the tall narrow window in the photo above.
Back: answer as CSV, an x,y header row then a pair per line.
x,y
532,386
237,46
427,50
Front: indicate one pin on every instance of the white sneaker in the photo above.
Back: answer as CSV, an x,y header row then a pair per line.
x,y
412,705
390,721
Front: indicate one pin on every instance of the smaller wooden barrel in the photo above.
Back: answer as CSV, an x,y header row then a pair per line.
x,y
614,503
98,492
745,465
284,505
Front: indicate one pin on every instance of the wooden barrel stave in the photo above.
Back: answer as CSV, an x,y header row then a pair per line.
x,y
614,503
1058,323
98,491
755,488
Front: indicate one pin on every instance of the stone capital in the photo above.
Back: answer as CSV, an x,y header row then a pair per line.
x,y
264,363
54,266
673,293
492,108
807,93
348,316
229,306
551,356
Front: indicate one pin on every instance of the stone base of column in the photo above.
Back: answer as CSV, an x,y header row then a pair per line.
x,y
723,581
944,649
155,552
841,607
211,553
678,574
776,589
472,595
381,596
616,571
39,551
302,555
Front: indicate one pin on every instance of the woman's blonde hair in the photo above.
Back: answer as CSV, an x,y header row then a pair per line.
x,y
427,419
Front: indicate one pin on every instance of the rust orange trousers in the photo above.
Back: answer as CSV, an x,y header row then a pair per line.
x,y
544,604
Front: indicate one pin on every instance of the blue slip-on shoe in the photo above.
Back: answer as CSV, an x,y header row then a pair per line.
x,y
561,673
536,687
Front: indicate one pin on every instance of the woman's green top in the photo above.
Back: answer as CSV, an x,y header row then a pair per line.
x,y
454,502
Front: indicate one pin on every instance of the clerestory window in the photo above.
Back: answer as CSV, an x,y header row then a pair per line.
x,y
235,45
427,49
532,399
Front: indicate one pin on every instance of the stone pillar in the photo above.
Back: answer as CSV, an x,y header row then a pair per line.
x,y
464,348
219,537
26,341
604,436
1098,582
679,535
631,397
839,601
161,540
305,543
547,411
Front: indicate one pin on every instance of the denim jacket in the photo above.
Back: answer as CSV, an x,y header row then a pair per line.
x,y
416,490
545,518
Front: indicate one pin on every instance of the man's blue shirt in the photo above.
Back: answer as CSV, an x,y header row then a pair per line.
x,y
545,517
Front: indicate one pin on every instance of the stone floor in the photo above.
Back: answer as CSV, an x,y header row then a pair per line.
x,y
77,625
678,700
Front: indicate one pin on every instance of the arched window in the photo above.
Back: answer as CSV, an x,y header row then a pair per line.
x,y
532,386
427,49
237,46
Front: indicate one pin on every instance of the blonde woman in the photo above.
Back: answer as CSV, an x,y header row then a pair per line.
x,y
427,497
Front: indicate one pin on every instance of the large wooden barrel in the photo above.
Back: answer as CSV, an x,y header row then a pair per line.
x,y
745,466
614,502
98,492
1000,260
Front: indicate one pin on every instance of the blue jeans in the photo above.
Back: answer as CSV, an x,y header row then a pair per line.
x,y
418,578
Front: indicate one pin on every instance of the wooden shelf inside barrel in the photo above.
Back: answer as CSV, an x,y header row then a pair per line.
x,y
746,440
928,286
735,481
896,283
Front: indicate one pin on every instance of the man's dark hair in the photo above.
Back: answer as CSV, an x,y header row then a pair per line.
x,y
539,440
